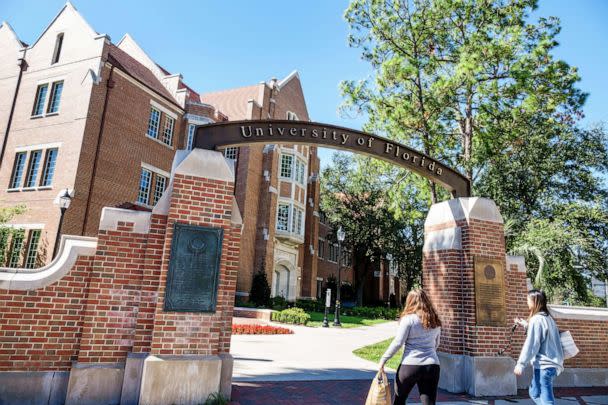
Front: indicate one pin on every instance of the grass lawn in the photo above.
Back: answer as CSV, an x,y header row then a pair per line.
x,y
316,320
375,351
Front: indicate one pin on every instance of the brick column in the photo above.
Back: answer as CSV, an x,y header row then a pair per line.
x,y
456,232
192,347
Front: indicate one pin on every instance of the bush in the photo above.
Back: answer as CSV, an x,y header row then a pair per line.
x,y
311,305
238,302
260,290
254,329
279,303
296,316
372,312
216,399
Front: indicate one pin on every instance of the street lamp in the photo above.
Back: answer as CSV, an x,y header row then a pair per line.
x,y
341,235
64,204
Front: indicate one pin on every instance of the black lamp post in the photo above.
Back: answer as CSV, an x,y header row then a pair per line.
x,y
64,204
341,235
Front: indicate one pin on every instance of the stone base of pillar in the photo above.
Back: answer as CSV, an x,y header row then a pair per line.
x,y
184,380
131,384
226,378
33,387
93,384
478,376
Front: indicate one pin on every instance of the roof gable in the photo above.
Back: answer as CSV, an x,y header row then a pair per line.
x,y
8,36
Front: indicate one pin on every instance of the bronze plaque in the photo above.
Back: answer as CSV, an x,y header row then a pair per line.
x,y
194,268
490,292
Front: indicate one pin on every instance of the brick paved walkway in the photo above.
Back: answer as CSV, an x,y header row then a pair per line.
x,y
354,392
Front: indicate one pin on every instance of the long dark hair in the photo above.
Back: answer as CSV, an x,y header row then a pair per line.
x,y
539,302
419,303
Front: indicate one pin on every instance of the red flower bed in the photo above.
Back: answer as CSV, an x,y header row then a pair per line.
x,y
259,330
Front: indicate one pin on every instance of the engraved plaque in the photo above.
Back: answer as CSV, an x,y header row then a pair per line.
x,y
194,267
490,292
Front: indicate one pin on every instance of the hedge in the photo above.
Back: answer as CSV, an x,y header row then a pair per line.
x,y
296,316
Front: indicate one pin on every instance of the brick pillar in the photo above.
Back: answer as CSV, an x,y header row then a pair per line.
x,y
189,351
458,232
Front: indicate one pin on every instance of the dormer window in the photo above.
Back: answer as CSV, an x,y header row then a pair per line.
x,y
57,52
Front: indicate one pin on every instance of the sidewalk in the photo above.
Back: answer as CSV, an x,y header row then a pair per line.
x,y
354,392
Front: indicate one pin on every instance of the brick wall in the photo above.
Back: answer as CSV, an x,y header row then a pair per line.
x,y
40,329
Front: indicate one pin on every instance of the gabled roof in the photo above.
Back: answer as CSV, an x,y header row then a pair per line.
x,y
232,102
12,34
130,65
68,7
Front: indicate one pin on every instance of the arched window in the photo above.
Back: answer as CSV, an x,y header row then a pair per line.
x,y
57,52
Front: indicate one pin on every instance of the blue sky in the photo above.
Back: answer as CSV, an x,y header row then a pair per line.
x,y
223,44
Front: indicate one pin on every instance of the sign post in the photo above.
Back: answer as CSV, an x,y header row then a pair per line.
x,y
327,305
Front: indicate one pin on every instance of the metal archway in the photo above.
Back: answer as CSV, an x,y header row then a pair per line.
x,y
243,133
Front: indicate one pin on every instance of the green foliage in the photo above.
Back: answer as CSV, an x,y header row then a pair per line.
x,y
296,316
260,290
357,194
311,305
475,83
217,399
279,303
6,233
373,312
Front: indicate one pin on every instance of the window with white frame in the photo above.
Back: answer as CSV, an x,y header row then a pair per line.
x,y
297,224
145,181
283,217
300,168
32,169
333,252
49,167
18,169
57,51
190,141
40,99
32,249
151,187
153,123
55,97
168,131
16,247
231,153
286,168
27,167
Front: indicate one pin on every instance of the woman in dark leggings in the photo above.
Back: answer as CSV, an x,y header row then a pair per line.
x,y
418,334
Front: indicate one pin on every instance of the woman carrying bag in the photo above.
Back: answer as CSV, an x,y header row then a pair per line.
x,y
542,348
418,334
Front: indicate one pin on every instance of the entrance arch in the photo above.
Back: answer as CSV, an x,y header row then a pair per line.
x,y
242,133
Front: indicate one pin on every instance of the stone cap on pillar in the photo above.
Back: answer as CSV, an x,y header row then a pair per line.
x,y
204,163
465,208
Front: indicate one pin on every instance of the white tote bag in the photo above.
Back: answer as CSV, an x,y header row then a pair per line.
x,y
568,345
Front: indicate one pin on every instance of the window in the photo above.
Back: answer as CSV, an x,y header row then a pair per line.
x,y
283,217
57,51
321,248
347,258
56,90
40,99
18,168
144,186
190,142
32,169
286,166
168,131
231,153
32,249
49,168
16,247
297,225
151,187
160,184
153,123
292,116
333,253
300,168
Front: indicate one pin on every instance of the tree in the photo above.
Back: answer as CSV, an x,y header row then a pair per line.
x,y
260,289
6,232
355,198
474,83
